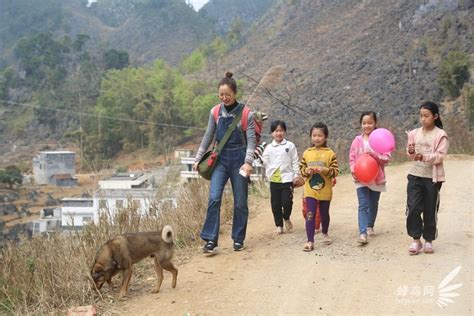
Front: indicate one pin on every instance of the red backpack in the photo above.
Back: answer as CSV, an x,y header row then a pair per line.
x,y
258,118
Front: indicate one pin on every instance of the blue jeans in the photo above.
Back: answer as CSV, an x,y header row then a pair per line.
x,y
228,165
368,207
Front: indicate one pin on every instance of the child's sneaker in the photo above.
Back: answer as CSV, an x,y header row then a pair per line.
x,y
326,239
362,239
415,247
279,230
288,224
428,247
309,246
239,246
210,247
371,231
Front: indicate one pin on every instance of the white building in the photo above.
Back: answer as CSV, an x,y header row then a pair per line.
x,y
49,221
76,212
122,191
125,191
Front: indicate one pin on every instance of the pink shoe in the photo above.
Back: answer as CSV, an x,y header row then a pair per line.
x,y
415,248
428,247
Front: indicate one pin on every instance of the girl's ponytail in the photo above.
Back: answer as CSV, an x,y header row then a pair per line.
x,y
433,108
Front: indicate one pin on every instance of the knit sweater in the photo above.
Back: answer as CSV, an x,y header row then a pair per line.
x,y
439,151
319,185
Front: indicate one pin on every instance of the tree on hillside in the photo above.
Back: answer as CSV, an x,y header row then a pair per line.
x,y
42,58
235,32
454,72
115,59
11,176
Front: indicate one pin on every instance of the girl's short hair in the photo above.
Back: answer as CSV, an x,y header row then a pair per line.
x,y
323,127
277,123
229,81
434,109
371,113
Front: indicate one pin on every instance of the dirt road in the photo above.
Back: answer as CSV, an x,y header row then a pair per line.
x,y
273,276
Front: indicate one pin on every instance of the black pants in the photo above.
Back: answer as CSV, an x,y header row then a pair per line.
x,y
422,198
282,201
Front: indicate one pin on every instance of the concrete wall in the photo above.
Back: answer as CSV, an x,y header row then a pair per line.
x,y
50,163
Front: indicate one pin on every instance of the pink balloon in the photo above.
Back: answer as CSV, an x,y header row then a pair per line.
x,y
382,141
366,168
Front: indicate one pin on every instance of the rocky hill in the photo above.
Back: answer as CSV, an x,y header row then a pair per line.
x,y
343,57
168,29
245,12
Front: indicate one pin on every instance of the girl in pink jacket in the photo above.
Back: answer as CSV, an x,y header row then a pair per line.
x,y
368,194
427,148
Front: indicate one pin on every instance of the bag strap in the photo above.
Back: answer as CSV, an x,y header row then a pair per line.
x,y
229,131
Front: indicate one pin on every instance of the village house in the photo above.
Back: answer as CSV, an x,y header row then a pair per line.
x,y
55,167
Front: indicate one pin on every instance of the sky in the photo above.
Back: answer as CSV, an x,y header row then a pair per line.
x,y
197,4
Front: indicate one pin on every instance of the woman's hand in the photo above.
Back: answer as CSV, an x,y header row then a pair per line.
x,y
247,168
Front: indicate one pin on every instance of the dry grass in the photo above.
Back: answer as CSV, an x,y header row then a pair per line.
x,y
50,274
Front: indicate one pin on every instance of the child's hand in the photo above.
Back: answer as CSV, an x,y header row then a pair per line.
x,y
411,149
309,171
298,181
418,157
354,176
321,170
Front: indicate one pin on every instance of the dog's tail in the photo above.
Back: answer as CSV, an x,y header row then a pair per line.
x,y
167,234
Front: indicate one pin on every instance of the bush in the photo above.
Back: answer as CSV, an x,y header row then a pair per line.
x,y
453,72
48,275
11,176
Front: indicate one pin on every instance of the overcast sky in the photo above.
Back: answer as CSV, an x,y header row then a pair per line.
x,y
197,4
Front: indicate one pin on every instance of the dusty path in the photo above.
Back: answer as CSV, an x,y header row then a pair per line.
x,y
274,277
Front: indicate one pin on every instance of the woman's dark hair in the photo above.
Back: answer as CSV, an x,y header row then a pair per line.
x,y
227,80
371,113
322,126
277,123
433,108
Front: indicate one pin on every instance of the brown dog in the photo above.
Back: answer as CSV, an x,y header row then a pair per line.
x,y
121,252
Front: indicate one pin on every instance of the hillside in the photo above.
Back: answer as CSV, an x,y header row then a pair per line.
x,y
168,29
245,11
343,57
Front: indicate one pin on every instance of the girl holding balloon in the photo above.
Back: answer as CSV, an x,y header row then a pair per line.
x,y
369,154
427,148
319,167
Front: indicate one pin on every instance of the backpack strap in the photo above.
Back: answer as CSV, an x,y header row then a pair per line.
x,y
215,111
245,115
245,118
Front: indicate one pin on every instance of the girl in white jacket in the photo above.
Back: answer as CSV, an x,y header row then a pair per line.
x,y
281,163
